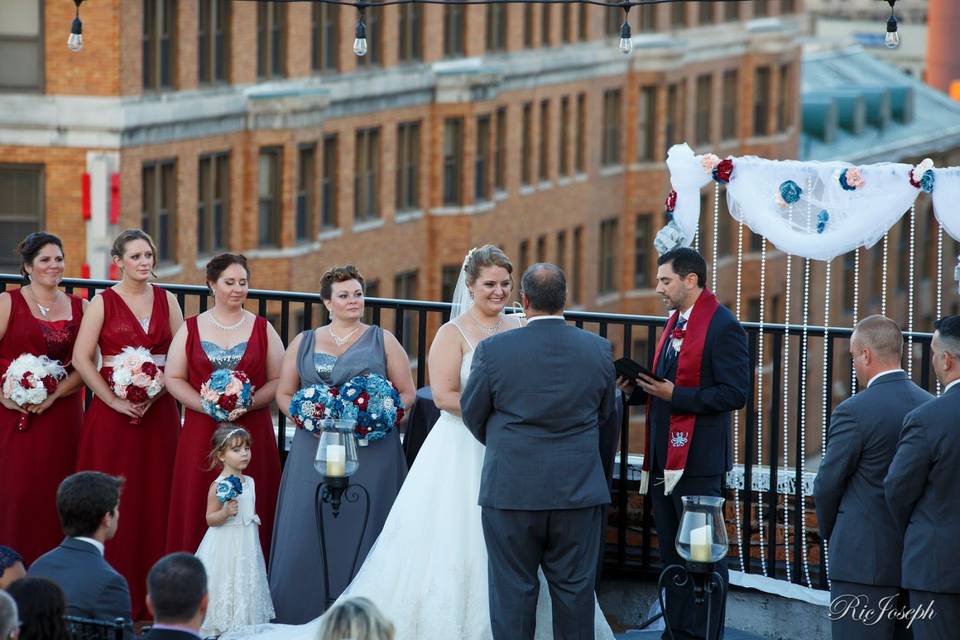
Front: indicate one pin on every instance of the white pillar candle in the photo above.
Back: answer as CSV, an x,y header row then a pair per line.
x,y
701,541
336,460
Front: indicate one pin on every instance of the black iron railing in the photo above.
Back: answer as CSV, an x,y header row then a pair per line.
x,y
631,551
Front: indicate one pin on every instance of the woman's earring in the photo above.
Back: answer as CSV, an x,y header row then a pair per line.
x,y
470,291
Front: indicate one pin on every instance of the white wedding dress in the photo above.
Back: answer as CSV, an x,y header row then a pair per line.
x,y
427,571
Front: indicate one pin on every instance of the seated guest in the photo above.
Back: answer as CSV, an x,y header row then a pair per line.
x,y
42,607
177,597
851,510
921,490
355,619
89,507
9,618
11,567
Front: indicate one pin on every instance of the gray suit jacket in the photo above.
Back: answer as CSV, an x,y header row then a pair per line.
x,y
92,588
923,493
865,543
535,398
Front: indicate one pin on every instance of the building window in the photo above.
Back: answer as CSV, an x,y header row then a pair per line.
x,y
452,161
449,274
213,198
371,289
21,47
756,242
545,11
678,14
405,288
271,39
21,208
788,6
306,192
500,151
706,12
526,144
576,271
761,101
159,46
731,11
528,25
646,124
704,110
761,8
612,20
675,114
753,309
642,241
564,136
612,108
648,18
454,27
496,27
566,22
580,150
731,98
542,249
582,23
481,173
544,160
328,183
411,30
159,212
725,228
524,255
374,40
213,41
408,162
903,262
849,259
325,36
784,95
269,209
366,190
561,258
606,281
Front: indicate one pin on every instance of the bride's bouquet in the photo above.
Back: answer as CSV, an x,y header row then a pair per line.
x,y
136,377
226,395
376,404
31,379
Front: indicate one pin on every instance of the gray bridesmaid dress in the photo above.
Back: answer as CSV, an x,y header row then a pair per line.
x,y
296,571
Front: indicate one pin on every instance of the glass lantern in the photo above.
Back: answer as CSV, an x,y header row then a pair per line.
x,y
702,537
337,450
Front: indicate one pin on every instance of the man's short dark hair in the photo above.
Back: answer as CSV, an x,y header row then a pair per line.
x,y
949,329
545,287
84,498
684,262
176,585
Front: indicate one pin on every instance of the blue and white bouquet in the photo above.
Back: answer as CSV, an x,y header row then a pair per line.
x,y
226,395
317,402
229,488
377,404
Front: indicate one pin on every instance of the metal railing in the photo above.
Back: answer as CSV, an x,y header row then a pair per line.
x,y
631,551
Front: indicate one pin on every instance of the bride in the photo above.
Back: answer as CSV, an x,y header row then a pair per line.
x,y
427,571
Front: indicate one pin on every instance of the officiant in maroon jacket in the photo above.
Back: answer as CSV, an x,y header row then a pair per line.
x,y
703,358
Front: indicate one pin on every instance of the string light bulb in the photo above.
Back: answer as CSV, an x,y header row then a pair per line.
x,y
75,41
892,37
360,37
626,40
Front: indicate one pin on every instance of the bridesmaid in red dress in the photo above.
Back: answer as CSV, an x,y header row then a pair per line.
x,y
225,337
41,320
137,441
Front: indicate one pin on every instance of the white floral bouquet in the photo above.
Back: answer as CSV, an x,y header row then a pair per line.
x,y
31,379
136,377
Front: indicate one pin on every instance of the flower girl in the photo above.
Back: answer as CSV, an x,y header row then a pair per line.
x,y
230,550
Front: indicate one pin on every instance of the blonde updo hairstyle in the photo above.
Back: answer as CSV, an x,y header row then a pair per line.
x,y
486,256
355,619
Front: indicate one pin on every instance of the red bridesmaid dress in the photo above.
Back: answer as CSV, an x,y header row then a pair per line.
x,y
187,522
34,462
143,453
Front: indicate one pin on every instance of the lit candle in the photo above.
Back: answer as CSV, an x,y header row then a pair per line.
x,y
336,460
701,541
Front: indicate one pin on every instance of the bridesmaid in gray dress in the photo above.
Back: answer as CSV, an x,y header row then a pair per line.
x,y
333,354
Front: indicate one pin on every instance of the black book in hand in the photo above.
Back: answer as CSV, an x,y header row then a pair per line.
x,y
631,370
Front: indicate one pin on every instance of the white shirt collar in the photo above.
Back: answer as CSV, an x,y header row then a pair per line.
x,y
947,388
96,543
882,373
545,318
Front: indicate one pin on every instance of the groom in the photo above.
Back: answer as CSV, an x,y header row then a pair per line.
x,y
535,398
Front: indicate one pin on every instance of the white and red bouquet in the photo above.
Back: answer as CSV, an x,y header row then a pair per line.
x,y
30,380
136,377
226,395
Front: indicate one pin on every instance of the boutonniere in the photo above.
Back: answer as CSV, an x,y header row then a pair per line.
x,y
678,333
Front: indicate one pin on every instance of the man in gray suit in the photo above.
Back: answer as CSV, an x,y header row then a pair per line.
x,y
89,507
865,543
536,397
922,489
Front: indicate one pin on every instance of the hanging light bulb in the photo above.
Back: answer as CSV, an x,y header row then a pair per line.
x,y
892,39
626,41
75,41
360,38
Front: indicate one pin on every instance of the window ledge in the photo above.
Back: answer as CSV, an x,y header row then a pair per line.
x,y
526,190
367,225
647,165
633,294
611,170
607,298
580,177
329,234
544,185
407,216
283,252
500,195
169,270
466,210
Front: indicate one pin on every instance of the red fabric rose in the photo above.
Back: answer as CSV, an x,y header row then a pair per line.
x,y
334,391
723,171
228,402
362,400
149,368
136,394
400,414
50,384
25,381
678,333
671,202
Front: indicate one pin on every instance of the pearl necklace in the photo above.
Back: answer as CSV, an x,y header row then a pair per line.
x,y
489,331
345,339
232,327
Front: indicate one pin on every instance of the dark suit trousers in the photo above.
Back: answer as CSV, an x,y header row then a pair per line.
x,y
867,597
564,543
685,617
945,623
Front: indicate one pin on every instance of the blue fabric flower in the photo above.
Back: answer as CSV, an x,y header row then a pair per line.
x,y
790,191
843,182
822,218
927,180
220,379
381,411
229,488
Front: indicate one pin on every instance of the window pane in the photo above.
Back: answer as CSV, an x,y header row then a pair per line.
x,y
20,209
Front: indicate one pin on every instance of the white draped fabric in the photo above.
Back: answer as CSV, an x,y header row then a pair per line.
x,y
826,220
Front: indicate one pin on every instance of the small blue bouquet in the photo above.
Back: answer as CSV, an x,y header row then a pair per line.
x,y
229,488
376,405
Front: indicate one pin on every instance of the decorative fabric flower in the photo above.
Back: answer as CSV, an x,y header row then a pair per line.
x,y
668,238
671,202
851,179
927,180
790,192
723,171
780,201
678,333
917,172
709,162
229,488
822,218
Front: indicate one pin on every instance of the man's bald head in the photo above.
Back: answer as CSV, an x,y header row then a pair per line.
x,y
882,337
